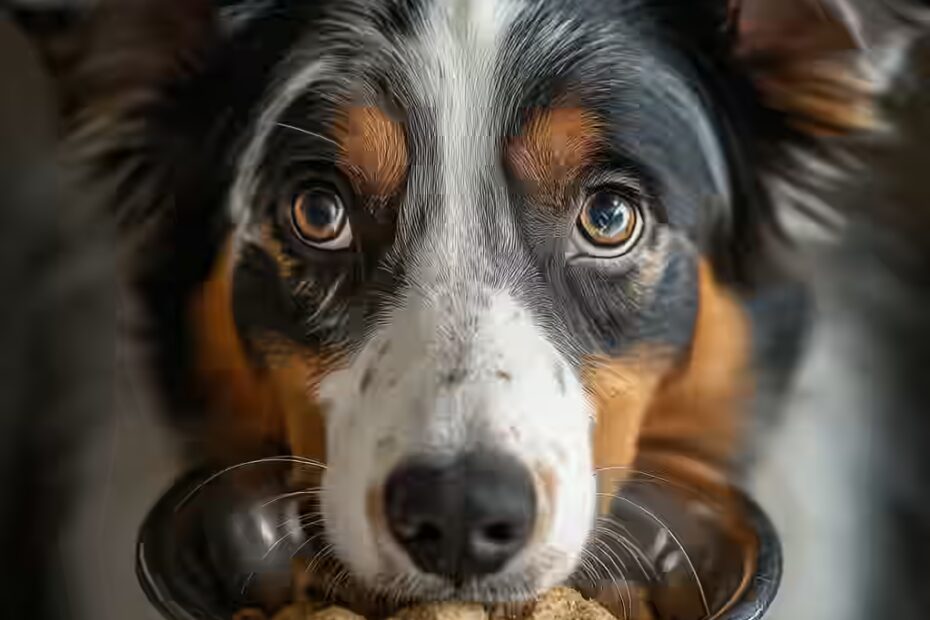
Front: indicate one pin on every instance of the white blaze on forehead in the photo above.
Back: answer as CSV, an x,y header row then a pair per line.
x,y
460,44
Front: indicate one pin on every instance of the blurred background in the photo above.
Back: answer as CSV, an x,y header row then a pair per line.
x,y
82,454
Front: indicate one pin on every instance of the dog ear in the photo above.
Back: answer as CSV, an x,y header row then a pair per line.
x,y
819,72
123,69
148,43
825,62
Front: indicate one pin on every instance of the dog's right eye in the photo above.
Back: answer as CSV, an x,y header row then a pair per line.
x,y
320,219
610,222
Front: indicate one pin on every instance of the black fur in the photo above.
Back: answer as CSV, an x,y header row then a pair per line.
x,y
171,156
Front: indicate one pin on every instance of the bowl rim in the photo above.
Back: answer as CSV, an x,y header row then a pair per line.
x,y
752,602
761,588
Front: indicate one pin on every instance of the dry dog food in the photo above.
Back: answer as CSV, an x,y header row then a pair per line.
x,y
557,604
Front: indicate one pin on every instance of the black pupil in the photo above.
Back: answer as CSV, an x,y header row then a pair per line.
x,y
609,214
321,209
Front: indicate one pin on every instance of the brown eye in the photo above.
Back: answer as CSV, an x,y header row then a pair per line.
x,y
610,220
319,218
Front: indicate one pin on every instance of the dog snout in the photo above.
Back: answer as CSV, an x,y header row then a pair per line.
x,y
461,517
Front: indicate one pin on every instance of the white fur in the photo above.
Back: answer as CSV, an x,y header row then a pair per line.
x,y
459,48
408,409
247,171
449,320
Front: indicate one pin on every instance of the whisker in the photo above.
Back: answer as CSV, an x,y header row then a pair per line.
x,y
409,585
307,542
324,304
320,556
335,583
302,520
283,496
245,584
613,580
312,134
293,460
697,579
315,518
392,596
585,568
652,478
395,590
274,545
624,536
628,545
622,570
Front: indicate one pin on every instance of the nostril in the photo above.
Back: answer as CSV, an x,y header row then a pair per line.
x,y
464,516
424,532
429,532
500,533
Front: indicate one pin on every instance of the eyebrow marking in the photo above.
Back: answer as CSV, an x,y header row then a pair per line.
x,y
555,146
373,150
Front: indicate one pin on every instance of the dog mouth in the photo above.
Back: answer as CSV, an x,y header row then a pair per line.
x,y
217,543
402,590
321,574
413,539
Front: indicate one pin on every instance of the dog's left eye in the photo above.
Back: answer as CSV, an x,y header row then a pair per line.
x,y
319,218
610,222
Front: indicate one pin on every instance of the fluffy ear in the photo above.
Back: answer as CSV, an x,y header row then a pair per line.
x,y
148,43
824,62
820,69
123,72
153,94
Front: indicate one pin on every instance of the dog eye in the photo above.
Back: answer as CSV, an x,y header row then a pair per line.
x,y
320,219
610,222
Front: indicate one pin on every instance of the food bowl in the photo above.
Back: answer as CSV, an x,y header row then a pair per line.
x,y
217,543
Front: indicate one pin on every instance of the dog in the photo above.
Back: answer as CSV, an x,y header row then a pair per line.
x,y
466,254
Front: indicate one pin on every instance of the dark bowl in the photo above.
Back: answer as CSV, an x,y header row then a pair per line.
x,y
215,544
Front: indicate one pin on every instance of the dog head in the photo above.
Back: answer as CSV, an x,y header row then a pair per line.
x,y
467,252
468,239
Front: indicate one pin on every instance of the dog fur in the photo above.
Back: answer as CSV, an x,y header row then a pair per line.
x,y
476,334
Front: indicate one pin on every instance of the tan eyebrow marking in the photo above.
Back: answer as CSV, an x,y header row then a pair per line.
x,y
555,146
373,150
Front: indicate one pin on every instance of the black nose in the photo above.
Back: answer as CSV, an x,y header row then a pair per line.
x,y
461,517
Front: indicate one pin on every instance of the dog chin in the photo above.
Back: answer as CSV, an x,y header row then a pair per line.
x,y
380,568
519,586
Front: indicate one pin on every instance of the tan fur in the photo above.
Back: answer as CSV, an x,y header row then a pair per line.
x,y
644,400
374,150
547,492
622,391
556,145
287,265
296,375
683,422
243,403
251,407
803,60
702,405
821,97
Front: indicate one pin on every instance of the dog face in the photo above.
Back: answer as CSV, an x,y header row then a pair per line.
x,y
459,228
469,253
